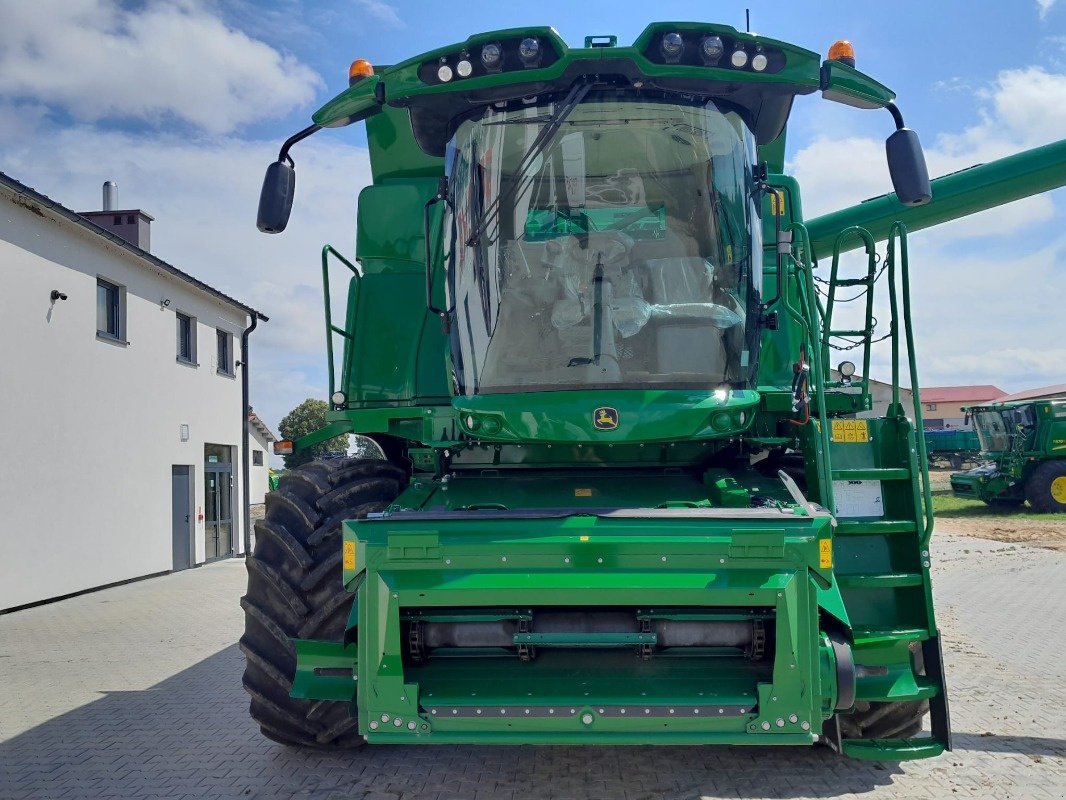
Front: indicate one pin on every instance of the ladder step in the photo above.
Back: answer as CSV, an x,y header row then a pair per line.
x,y
861,527
874,636
864,334
853,281
872,474
892,749
896,580
884,690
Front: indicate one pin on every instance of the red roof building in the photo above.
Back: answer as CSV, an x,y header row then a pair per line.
x,y
1043,393
942,405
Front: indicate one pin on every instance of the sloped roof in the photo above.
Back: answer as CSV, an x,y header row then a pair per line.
x,y
261,426
24,195
960,394
1058,390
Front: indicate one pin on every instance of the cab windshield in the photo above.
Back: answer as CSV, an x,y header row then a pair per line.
x,y
991,430
617,251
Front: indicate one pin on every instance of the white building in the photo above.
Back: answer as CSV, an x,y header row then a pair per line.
x,y
260,443
122,402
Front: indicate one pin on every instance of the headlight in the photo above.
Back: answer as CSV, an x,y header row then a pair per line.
x,y
444,73
739,57
529,52
339,398
759,61
491,56
711,49
464,68
672,47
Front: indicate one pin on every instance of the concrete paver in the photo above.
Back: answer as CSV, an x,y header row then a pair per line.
x,y
134,692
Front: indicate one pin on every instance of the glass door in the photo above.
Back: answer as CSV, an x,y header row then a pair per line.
x,y
218,501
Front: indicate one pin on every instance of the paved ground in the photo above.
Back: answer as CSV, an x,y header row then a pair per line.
x,y
135,692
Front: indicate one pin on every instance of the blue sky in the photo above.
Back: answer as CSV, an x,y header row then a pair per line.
x,y
183,103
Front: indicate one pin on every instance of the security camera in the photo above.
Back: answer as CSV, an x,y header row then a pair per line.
x,y
166,302
57,295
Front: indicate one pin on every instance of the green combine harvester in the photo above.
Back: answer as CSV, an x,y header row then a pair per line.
x,y
620,499
1024,445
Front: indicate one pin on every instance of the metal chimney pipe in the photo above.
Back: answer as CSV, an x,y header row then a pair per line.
x,y
110,187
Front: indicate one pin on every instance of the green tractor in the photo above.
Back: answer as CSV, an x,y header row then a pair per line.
x,y
1024,444
619,498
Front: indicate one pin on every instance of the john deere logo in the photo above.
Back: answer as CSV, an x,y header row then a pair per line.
x,y
605,418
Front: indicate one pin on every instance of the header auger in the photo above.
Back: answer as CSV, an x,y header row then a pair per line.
x,y
620,498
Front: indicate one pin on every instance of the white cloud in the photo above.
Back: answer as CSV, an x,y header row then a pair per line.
x,y
159,62
1043,7
1023,108
985,287
381,11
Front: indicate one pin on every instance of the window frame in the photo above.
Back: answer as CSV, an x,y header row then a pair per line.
x,y
227,368
257,454
118,304
191,360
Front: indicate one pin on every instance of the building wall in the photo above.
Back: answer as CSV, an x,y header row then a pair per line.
x,y
92,428
258,477
947,415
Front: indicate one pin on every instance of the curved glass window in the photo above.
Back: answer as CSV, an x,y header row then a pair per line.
x,y
609,246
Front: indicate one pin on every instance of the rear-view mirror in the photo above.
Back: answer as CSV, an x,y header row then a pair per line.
x,y
906,165
275,201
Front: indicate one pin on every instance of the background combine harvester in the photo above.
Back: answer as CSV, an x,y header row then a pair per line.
x,y
1024,445
620,499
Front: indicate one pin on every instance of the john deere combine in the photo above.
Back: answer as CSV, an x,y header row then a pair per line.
x,y
620,499
1024,444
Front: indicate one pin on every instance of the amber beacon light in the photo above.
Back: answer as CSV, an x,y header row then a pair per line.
x,y
360,68
843,51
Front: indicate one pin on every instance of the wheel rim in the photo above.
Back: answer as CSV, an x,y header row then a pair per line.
x,y
1058,489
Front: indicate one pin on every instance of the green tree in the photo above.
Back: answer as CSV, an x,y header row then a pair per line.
x,y
307,417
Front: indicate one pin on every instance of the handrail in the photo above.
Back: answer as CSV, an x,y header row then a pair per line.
x,y
899,232
808,293
871,273
332,329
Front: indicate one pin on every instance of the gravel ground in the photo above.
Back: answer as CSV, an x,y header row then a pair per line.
x,y
135,692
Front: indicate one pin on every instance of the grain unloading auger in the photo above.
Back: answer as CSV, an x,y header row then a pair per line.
x,y
620,499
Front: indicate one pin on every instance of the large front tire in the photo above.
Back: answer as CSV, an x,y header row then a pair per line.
x,y
1046,487
295,591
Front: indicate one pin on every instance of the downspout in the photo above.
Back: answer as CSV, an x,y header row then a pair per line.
x,y
245,436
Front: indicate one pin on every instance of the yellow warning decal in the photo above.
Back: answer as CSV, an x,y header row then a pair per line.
x,y
850,430
582,492
349,556
825,553
774,209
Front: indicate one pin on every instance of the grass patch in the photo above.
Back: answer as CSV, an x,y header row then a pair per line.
x,y
948,505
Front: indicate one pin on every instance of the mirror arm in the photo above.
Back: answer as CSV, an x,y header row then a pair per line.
x,y
893,109
283,155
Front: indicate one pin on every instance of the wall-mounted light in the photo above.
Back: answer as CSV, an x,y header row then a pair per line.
x,y
57,295
183,432
164,303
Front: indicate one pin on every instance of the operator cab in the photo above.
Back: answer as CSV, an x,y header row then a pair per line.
x,y
604,243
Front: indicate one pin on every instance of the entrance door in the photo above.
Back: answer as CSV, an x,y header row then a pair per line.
x,y
218,501
182,525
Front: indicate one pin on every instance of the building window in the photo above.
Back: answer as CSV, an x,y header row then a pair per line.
x,y
930,406
186,339
225,352
130,219
118,219
257,458
109,322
